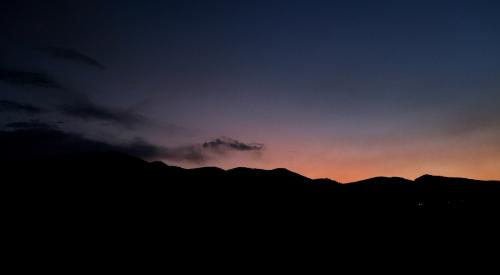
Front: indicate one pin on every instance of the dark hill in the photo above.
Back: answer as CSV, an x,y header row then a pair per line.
x,y
109,199
110,178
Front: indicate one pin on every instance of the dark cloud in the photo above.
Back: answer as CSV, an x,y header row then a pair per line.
x,y
85,109
195,153
190,153
89,111
7,106
32,124
31,143
25,78
72,55
77,106
227,144
33,139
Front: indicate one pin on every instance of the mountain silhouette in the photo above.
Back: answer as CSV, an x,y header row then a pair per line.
x,y
115,178
91,200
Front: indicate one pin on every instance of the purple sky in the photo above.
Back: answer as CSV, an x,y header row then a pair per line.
x,y
339,89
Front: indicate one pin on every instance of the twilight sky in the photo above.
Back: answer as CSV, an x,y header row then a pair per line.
x,y
340,89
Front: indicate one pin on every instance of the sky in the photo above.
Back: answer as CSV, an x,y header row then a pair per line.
x,y
341,89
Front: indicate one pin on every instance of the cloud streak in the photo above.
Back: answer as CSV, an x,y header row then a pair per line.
x,y
8,106
32,124
225,144
76,105
190,153
35,139
25,78
72,55
89,111
31,140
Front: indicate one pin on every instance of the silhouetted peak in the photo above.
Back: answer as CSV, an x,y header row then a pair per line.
x,y
283,171
242,169
383,180
208,172
278,172
426,177
209,168
288,173
432,178
158,164
325,181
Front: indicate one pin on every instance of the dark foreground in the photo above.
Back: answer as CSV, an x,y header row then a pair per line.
x,y
93,208
103,181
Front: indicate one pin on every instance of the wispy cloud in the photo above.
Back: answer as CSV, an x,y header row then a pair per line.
x,y
33,124
33,138
189,153
225,144
194,153
76,105
27,78
8,106
89,111
72,55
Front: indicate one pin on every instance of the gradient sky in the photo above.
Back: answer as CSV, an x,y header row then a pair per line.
x,y
340,89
